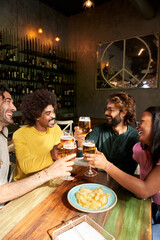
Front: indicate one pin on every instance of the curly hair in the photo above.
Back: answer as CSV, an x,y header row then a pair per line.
x,y
3,88
34,103
125,103
155,133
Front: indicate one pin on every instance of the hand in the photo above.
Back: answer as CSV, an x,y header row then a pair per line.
x,y
97,160
79,136
56,151
62,167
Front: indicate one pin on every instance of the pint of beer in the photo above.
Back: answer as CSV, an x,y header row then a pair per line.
x,y
84,124
66,139
67,135
69,148
89,147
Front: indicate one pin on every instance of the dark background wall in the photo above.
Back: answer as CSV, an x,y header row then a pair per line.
x,y
111,21
82,32
24,16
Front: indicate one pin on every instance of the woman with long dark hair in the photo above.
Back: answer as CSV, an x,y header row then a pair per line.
x,y
147,153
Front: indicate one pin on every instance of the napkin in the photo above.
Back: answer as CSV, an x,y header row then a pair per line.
x,y
82,231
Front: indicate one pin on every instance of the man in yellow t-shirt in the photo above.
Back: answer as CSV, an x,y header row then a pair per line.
x,y
10,191
36,143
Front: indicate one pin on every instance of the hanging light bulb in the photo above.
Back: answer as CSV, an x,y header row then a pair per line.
x,y
40,30
57,39
88,4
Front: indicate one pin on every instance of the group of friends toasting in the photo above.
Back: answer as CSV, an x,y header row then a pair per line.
x,y
115,146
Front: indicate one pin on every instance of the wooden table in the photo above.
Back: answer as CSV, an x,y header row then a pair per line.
x,y
30,216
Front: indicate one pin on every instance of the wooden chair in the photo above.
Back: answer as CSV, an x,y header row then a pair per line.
x,y
12,164
65,124
11,171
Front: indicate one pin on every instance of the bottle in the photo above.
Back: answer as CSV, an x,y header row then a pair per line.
x,y
10,55
0,39
1,55
7,55
14,74
33,61
54,52
14,56
54,66
22,75
50,51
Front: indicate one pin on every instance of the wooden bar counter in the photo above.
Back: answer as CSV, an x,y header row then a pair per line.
x,y
30,216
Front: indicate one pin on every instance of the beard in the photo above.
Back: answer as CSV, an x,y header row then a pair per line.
x,y
114,121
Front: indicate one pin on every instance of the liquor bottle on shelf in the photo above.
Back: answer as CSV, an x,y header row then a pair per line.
x,y
9,74
14,56
7,55
11,55
31,65
27,89
1,55
50,51
33,60
22,75
14,74
54,52
23,90
18,74
0,39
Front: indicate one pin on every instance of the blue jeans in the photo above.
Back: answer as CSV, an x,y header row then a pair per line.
x,y
155,213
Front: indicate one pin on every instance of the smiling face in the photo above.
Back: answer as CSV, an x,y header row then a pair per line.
x,y
46,119
7,109
145,128
113,114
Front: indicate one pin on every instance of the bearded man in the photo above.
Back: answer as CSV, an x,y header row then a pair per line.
x,y
115,138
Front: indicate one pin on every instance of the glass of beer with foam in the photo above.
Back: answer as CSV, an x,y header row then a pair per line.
x,y
84,124
89,147
66,136
69,147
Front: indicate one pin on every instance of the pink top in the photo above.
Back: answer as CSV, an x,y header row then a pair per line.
x,y
143,157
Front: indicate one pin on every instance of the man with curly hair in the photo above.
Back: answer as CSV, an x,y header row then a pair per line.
x,y
116,138
10,191
36,144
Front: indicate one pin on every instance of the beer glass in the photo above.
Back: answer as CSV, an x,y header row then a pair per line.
x,y
67,135
69,148
84,124
89,147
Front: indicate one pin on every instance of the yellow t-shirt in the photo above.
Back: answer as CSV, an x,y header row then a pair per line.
x,y
32,149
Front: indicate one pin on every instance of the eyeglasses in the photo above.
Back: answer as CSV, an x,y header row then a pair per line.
x,y
111,110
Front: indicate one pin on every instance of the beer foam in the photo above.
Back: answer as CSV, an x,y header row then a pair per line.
x,y
66,137
69,146
84,119
89,144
